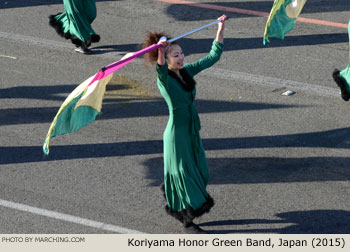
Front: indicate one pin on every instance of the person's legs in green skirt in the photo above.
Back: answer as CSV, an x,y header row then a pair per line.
x,y
75,23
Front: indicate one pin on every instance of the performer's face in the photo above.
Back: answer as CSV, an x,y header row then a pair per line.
x,y
175,57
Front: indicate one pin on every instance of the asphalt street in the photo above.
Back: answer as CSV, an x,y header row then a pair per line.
x,y
278,164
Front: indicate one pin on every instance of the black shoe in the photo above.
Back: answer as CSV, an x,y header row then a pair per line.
x,y
83,49
88,42
95,38
341,84
192,228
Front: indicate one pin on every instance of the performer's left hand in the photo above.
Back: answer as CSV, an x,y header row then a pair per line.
x,y
223,18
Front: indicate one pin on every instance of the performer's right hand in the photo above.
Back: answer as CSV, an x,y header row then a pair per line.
x,y
165,45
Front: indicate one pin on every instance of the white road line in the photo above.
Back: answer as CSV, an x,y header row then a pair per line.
x,y
6,56
217,72
51,44
273,82
67,218
36,41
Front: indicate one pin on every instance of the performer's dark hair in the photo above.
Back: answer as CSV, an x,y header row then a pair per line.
x,y
153,38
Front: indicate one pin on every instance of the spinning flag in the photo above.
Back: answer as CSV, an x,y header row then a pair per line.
x,y
85,102
282,18
342,78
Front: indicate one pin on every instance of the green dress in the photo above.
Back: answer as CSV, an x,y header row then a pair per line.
x,y
75,22
185,166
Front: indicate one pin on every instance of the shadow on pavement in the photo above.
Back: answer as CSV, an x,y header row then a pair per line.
x,y
269,169
197,46
297,222
183,12
263,170
97,50
112,107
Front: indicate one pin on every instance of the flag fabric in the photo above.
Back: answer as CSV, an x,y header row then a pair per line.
x,y
282,18
78,110
342,78
85,102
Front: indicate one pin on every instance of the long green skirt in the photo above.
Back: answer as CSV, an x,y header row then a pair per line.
x,y
75,22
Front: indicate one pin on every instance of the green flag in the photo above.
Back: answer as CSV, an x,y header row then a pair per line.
x,y
282,18
342,78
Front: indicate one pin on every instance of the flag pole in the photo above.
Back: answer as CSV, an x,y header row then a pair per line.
x,y
156,46
193,31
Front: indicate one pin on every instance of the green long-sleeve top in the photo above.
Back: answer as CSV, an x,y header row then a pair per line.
x,y
169,87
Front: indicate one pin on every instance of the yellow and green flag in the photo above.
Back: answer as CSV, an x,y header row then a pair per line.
x,y
79,109
282,18
85,102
